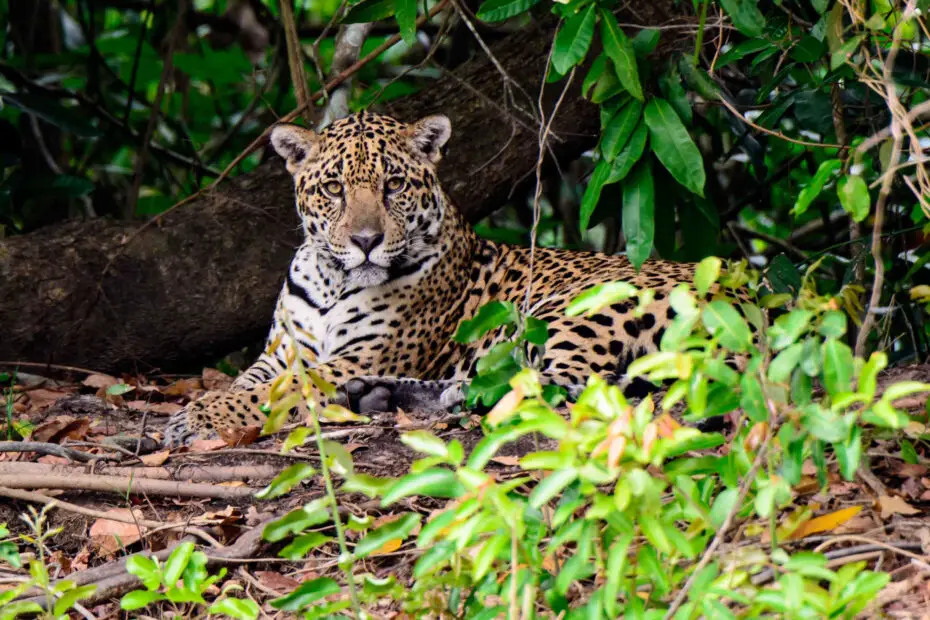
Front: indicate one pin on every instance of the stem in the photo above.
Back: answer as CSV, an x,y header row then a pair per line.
x,y
324,471
700,33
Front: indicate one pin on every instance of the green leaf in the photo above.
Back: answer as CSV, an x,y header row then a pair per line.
x,y
849,453
69,598
723,321
784,363
69,186
630,154
490,316
573,40
620,50
295,521
810,192
788,328
593,75
306,593
368,11
673,145
397,529
432,557
434,482
425,442
138,599
670,83
10,554
639,213
592,193
486,555
745,15
286,480
645,42
722,506
176,563
238,608
552,485
536,331
145,569
706,274
405,12
868,376
619,129
837,366
499,10
599,296
854,196
303,544
118,389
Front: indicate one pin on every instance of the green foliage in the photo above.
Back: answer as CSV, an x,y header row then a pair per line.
x,y
182,579
60,596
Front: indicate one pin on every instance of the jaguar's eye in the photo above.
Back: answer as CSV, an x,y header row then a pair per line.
x,y
333,188
395,184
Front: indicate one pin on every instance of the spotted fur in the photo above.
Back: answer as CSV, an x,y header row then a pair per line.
x,y
389,267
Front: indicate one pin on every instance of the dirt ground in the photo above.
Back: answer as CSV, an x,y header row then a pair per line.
x,y
86,454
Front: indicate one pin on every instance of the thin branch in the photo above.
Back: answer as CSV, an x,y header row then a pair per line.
x,y
898,121
52,449
744,487
54,502
294,55
173,39
125,485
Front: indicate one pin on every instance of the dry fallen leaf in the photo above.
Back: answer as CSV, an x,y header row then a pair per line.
x,y
276,581
182,387
825,523
160,409
214,379
41,398
402,420
112,536
892,505
207,445
510,461
242,436
155,458
58,429
98,381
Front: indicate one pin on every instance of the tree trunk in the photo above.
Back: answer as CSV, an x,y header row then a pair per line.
x,y
203,279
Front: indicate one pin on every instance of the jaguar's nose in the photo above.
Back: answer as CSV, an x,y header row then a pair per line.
x,y
367,242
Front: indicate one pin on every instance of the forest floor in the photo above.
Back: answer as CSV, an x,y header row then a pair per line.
x,y
110,493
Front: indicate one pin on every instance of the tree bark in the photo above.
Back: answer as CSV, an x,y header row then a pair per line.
x,y
203,279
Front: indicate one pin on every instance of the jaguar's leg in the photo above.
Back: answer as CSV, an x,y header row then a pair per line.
x,y
243,404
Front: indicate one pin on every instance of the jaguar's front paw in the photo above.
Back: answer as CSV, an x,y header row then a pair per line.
x,y
368,395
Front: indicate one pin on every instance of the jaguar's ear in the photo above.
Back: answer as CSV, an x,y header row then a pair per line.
x,y
295,144
428,135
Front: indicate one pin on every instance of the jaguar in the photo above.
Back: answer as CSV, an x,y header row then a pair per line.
x,y
388,269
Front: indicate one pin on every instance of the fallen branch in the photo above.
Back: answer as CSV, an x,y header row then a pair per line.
x,y
52,449
123,485
188,472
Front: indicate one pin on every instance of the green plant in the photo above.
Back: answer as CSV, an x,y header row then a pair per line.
x,y
623,513
60,597
182,581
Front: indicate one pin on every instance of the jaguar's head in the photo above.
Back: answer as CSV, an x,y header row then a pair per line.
x,y
367,190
